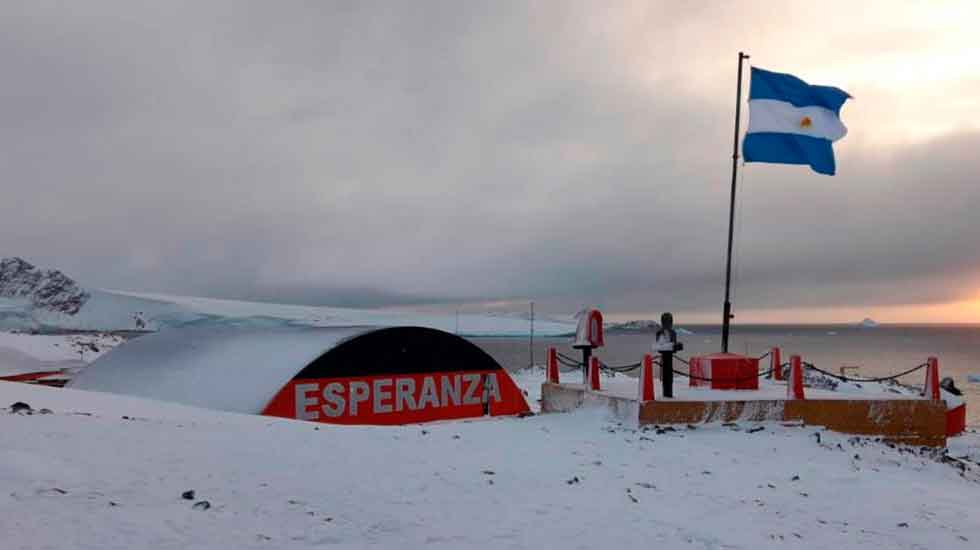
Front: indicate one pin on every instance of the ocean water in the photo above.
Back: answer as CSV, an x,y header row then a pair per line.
x,y
878,351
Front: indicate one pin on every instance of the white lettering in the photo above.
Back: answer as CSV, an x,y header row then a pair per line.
x,y
473,381
382,392
302,402
404,394
395,394
429,394
492,389
333,394
359,392
450,390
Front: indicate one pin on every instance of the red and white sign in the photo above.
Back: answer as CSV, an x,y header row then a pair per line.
x,y
403,398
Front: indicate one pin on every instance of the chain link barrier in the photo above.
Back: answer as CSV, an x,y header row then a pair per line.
x,y
570,363
853,379
620,368
573,364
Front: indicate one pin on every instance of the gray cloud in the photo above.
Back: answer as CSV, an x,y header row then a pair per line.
x,y
381,154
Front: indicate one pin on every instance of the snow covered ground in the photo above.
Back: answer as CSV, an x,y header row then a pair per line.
x,y
24,353
104,471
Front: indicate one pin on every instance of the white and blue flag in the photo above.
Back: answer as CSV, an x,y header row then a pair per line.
x,y
792,122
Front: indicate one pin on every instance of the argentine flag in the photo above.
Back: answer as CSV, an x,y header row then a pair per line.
x,y
792,122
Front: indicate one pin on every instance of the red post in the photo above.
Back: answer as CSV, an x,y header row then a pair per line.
x,y
932,379
775,361
646,378
594,373
694,367
794,386
552,365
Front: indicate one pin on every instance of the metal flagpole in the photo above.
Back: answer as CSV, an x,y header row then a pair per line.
x,y
727,314
530,344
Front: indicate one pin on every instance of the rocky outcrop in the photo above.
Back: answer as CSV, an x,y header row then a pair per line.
x,y
46,289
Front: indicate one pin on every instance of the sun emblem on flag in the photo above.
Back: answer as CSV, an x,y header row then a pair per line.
x,y
805,122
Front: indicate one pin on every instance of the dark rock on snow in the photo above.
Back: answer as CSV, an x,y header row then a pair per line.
x,y
46,289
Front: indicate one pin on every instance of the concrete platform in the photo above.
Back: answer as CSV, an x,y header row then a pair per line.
x,y
904,419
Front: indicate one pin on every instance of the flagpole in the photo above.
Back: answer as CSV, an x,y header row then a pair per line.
x,y
727,310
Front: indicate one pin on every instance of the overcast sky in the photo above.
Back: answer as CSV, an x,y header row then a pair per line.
x,y
429,154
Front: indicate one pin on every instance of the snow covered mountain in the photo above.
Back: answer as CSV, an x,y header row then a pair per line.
x,y
49,290
31,299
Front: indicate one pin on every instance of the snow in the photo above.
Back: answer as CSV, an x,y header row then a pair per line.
x,y
952,401
582,330
26,353
116,310
217,367
48,300
107,472
966,447
14,362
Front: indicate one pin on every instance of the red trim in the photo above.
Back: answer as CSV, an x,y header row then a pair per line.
x,y
29,376
646,379
932,379
795,384
553,365
595,329
594,373
776,362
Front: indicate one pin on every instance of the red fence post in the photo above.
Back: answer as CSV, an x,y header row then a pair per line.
x,y
775,362
932,379
552,365
794,386
646,378
594,374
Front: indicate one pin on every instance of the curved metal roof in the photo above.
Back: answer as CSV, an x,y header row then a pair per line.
x,y
225,368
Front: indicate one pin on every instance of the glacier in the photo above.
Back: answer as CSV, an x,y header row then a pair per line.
x,y
110,310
